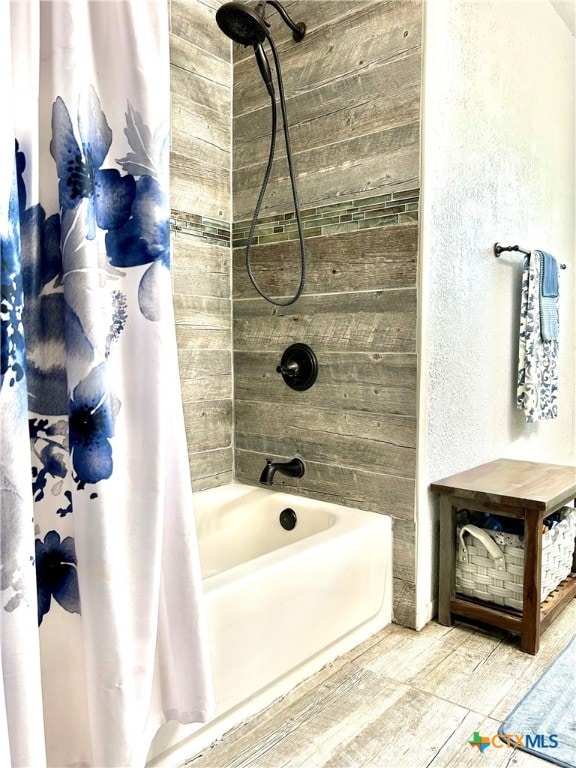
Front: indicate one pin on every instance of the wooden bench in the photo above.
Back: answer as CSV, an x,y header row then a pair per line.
x,y
522,489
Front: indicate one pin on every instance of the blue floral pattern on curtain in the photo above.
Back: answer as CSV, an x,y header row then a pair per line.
x,y
132,210
11,331
12,368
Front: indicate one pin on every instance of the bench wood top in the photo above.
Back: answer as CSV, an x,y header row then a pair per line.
x,y
515,483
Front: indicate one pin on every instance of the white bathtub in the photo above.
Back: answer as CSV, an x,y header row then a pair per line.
x,y
280,604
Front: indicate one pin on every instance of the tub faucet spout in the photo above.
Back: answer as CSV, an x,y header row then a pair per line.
x,y
293,468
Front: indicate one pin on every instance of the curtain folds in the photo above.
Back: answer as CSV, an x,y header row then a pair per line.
x,y
92,434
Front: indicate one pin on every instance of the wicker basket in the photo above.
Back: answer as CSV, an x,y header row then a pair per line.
x,y
490,564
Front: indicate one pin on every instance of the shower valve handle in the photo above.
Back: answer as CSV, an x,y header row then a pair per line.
x,y
298,366
291,369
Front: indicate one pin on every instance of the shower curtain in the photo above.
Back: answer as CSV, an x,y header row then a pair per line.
x,y
102,630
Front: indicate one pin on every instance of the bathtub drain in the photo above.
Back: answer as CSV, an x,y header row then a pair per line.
x,y
288,519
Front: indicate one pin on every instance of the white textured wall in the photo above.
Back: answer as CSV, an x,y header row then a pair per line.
x,y
498,164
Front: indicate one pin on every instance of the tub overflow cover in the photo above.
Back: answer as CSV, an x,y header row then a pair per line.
x,y
288,519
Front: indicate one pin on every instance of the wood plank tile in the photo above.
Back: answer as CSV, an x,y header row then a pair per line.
x,y
349,381
408,735
202,313
369,441
205,74
357,103
335,172
200,131
379,321
317,69
205,375
373,33
318,724
383,258
196,23
214,4
403,543
390,641
404,654
352,487
199,268
209,469
191,337
367,645
194,363
404,607
200,188
315,13
285,703
208,425
475,674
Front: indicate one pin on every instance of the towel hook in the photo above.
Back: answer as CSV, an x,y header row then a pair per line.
x,y
498,249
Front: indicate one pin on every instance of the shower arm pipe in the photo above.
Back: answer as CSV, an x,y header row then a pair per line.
x,y
298,29
498,249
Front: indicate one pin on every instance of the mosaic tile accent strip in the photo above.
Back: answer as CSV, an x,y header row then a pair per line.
x,y
213,231
364,213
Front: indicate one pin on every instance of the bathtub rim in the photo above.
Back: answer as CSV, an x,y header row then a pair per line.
x,y
346,520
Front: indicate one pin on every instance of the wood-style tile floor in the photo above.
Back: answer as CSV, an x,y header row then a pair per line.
x,y
402,699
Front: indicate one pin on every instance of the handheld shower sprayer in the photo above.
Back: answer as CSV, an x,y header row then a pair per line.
x,y
264,67
248,26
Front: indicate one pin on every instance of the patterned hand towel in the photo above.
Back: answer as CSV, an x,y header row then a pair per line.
x,y
548,297
537,393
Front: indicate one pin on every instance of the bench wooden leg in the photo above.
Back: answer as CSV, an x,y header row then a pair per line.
x,y
530,637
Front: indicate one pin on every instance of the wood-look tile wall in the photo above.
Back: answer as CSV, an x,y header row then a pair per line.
x,y
201,90
353,99
353,88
